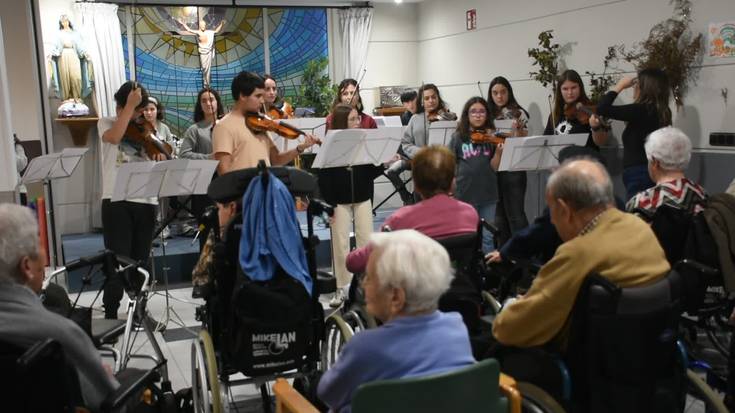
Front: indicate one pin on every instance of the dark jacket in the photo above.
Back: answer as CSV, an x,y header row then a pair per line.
x,y
720,217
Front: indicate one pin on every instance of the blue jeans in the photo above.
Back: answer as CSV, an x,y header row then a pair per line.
x,y
486,212
636,179
510,215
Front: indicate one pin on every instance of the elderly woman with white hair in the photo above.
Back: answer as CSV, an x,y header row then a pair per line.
x,y
406,274
23,319
668,151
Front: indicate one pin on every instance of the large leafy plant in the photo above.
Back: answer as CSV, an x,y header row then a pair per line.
x,y
316,90
546,57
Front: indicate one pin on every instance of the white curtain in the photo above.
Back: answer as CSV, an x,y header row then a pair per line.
x,y
355,24
101,32
100,29
8,178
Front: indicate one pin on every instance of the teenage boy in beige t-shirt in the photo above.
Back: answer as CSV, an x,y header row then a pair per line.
x,y
234,145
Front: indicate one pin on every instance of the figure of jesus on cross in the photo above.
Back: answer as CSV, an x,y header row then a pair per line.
x,y
205,40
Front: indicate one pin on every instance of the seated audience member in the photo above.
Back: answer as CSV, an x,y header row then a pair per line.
x,y
438,215
23,319
540,240
668,151
597,238
406,275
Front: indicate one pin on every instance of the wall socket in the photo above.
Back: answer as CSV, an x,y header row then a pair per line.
x,y
722,139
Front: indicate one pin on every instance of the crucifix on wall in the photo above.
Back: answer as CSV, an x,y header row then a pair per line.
x,y
205,41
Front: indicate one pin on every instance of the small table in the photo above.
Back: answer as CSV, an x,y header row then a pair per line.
x,y
79,127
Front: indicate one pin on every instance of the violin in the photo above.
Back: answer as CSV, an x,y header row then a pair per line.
x,y
281,111
141,133
440,115
580,111
257,122
481,136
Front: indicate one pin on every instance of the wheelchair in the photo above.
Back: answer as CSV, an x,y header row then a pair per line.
x,y
623,353
232,339
465,296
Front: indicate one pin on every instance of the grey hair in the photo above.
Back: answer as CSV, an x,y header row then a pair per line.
x,y
671,147
579,189
414,262
18,238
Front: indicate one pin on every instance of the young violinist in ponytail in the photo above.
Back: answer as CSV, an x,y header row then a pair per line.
x,y
348,93
510,215
649,112
430,108
477,163
563,120
274,106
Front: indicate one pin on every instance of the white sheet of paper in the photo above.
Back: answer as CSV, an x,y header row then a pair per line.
x,y
358,147
313,126
536,152
388,121
503,125
440,132
40,167
137,180
186,177
68,162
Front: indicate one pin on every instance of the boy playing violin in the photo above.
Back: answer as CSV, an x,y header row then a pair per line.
x,y
234,145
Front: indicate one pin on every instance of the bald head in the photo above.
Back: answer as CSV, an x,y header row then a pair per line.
x,y
582,184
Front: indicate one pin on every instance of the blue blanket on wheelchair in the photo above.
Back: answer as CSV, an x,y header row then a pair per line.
x,y
271,235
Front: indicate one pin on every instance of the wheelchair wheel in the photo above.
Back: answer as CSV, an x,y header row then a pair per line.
x,y
337,333
204,378
700,394
536,400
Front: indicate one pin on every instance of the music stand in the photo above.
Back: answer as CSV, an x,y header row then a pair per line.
x,y
536,153
313,126
440,132
353,147
179,177
49,167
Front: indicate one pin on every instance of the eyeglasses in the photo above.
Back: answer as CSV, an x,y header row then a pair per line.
x,y
478,112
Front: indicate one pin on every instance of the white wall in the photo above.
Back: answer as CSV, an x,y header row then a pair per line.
x,y
456,59
392,51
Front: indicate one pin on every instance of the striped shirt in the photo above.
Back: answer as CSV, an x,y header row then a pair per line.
x,y
680,193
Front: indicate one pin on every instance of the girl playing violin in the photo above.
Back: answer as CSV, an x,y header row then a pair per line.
x,y
510,215
153,113
649,112
430,108
477,163
274,105
127,226
351,190
349,94
197,140
570,91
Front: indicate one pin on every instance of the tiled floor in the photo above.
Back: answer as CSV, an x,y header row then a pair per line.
x,y
181,314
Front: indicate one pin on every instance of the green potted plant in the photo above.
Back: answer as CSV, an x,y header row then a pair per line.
x,y
316,90
546,57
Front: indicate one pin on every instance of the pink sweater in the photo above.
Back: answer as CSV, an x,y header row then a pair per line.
x,y
437,217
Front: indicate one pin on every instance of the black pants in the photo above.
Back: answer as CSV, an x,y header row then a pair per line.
x,y
127,228
510,214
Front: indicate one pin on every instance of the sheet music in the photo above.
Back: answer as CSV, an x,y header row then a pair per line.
x,y
388,121
440,132
39,168
358,147
313,126
137,180
536,152
186,176
504,125
67,162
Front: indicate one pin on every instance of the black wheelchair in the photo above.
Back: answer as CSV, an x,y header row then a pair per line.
x,y
465,296
264,330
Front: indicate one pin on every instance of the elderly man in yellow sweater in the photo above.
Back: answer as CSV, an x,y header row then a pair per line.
x,y
597,238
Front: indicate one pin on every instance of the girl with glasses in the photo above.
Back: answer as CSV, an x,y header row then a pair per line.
x,y
477,163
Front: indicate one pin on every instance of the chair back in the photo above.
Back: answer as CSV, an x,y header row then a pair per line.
x,y
622,346
37,379
464,294
473,388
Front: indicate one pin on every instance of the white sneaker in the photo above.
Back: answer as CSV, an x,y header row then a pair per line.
x,y
338,298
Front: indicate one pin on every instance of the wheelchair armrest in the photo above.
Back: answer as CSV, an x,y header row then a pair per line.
x,y
131,382
326,283
288,400
490,227
697,266
509,388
